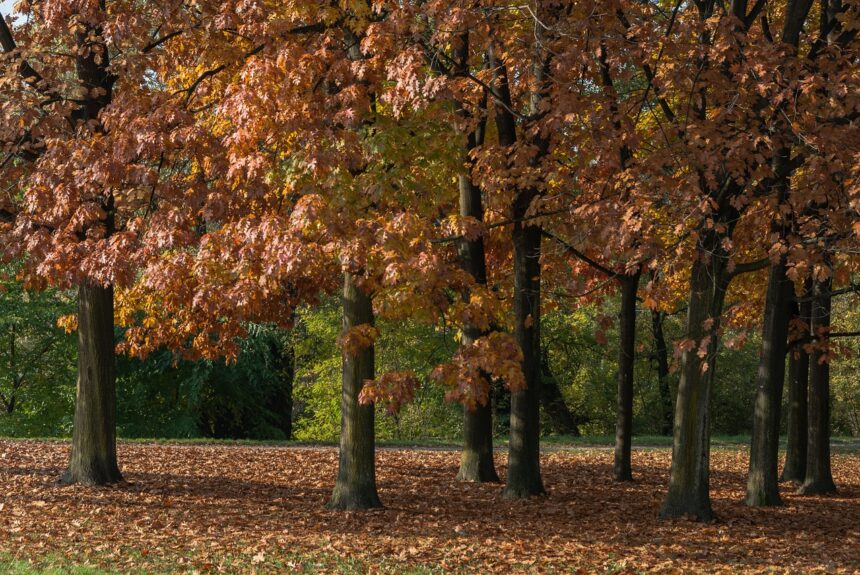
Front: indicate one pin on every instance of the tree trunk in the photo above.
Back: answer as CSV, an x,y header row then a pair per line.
x,y
93,460
688,493
798,390
763,481
661,356
524,476
476,460
819,478
626,356
355,487
283,356
560,417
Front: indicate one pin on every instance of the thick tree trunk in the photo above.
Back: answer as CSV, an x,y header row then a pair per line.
x,y
561,419
355,487
524,476
626,355
798,417
476,460
688,493
661,357
93,460
819,478
763,481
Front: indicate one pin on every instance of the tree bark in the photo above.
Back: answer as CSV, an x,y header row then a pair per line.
x,y
798,390
355,487
819,478
661,357
626,355
476,459
689,479
93,459
524,475
763,481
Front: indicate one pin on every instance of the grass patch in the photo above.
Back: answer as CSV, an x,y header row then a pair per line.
x,y
842,444
292,563
56,565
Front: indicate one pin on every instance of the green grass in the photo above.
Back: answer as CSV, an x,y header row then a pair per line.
x,y
324,563
57,566
842,444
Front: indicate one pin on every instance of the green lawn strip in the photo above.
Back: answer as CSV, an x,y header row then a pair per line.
x,y
839,444
307,563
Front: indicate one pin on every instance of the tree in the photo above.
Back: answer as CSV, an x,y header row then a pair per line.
x,y
798,393
476,461
355,487
661,359
93,458
524,477
762,486
819,478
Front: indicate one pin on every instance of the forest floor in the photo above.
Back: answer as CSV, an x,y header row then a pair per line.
x,y
260,509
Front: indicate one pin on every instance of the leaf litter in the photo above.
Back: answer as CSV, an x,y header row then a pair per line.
x,y
252,509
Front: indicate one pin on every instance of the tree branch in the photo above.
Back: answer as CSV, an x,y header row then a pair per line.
x,y
748,267
581,256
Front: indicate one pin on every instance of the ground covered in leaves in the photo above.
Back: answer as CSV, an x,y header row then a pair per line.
x,y
261,509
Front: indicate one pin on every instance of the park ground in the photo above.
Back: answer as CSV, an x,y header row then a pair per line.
x,y
257,508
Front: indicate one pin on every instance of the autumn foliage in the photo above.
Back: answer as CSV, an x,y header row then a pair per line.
x,y
194,168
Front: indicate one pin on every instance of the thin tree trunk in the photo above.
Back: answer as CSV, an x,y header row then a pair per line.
x,y
560,417
524,477
661,356
689,478
798,392
819,478
626,355
763,481
93,460
476,460
283,355
355,487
